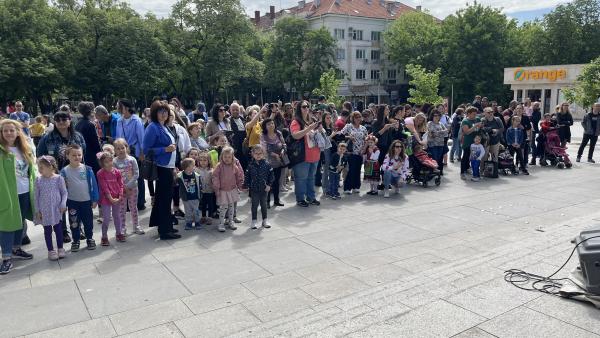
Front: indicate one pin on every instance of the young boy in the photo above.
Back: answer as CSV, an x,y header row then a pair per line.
x,y
259,179
477,153
337,164
83,196
190,191
515,138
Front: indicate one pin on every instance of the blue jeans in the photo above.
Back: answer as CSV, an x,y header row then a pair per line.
x,y
80,213
475,167
304,181
334,184
437,153
390,179
456,150
9,241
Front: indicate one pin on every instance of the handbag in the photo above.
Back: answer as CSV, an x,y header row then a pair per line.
x,y
295,151
490,169
148,170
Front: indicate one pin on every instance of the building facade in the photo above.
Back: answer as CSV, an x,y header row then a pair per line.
x,y
357,26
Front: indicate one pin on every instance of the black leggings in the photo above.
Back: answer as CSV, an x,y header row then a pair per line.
x,y
465,159
160,216
275,187
208,205
259,197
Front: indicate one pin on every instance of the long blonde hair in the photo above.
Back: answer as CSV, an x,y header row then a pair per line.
x,y
21,142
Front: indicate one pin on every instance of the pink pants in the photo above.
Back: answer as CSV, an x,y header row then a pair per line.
x,y
132,201
105,210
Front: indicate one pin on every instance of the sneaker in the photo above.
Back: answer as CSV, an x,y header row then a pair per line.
x,y
463,177
265,224
355,191
139,231
232,226
532,162
348,192
104,241
52,255
74,246
189,226
221,228
591,160
91,244
278,204
19,253
525,172
179,213
61,253
315,202
26,240
6,266
302,204
121,238
253,225
198,226
475,179
236,220
578,159
386,193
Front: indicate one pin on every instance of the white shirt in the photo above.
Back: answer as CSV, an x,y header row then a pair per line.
x,y
21,171
174,153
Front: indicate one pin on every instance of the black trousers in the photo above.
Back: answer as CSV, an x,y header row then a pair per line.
x,y
259,197
141,202
160,215
520,159
588,138
275,187
465,160
352,180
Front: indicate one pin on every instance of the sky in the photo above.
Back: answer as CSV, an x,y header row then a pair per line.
x,y
523,10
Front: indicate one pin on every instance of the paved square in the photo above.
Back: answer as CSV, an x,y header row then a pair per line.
x,y
426,263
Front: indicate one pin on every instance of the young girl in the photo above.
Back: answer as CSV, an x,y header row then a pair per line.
x,y
82,191
208,202
371,160
130,172
259,180
228,178
51,204
111,194
109,148
395,167
219,142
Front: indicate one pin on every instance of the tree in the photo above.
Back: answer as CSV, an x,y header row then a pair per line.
x,y
426,85
319,56
329,85
586,90
414,38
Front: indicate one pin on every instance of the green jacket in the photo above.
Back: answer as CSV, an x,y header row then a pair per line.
x,y
10,212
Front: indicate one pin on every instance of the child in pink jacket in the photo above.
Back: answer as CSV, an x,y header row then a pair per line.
x,y
227,179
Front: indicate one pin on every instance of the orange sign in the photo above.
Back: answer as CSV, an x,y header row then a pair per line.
x,y
540,74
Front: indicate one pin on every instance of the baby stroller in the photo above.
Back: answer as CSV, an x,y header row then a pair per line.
x,y
506,162
424,169
553,152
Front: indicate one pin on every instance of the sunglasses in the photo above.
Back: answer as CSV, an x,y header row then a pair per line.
x,y
304,106
62,119
221,109
397,146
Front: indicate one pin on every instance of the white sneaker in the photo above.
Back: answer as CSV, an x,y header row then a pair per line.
x,y
221,228
386,193
62,253
52,255
265,224
475,179
348,192
253,224
139,231
355,191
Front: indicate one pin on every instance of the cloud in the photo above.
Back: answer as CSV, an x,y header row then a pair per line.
x,y
439,8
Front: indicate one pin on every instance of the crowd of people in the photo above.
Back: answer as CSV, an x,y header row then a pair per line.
x,y
195,165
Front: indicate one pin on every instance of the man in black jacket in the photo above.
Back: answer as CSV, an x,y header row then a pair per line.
x,y
591,130
536,117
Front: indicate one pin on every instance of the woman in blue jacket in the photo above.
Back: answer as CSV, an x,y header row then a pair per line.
x,y
159,145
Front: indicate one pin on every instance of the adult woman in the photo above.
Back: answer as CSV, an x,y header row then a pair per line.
x,y
180,112
218,124
273,145
196,139
239,133
55,144
183,145
417,126
87,129
383,129
303,128
356,133
160,145
288,114
17,175
564,120
436,133
254,127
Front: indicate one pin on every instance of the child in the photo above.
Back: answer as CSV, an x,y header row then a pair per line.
x,y
477,153
190,191
227,180
208,202
112,188
395,167
259,179
130,172
83,196
371,160
515,138
338,163
194,153
424,158
218,144
51,204
37,130
109,148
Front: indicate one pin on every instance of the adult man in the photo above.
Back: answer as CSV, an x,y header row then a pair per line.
x,y
239,134
198,114
108,124
508,113
536,117
485,102
591,130
494,128
470,127
131,128
526,126
477,103
21,116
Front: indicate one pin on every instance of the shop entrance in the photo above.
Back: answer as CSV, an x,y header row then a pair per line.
x,y
535,95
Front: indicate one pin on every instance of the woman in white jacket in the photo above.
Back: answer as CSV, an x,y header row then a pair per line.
x,y
394,168
183,143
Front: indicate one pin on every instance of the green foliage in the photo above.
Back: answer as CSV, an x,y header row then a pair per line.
x,y
329,85
586,90
426,85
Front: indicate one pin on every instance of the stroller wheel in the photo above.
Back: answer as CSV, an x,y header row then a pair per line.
x,y
569,165
561,165
438,181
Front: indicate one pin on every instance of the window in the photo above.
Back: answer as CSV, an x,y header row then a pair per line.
x,y
375,54
360,53
375,74
357,35
340,53
339,34
391,74
375,36
360,74
340,74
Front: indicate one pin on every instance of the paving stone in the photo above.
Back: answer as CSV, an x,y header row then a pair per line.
x,y
99,328
381,274
275,284
53,276
280,304
474,333
217,299
581,314
117,292
524,322
153,315
369,260
162,331
45,307
421,262
217,323
343,243
325,270
334,288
